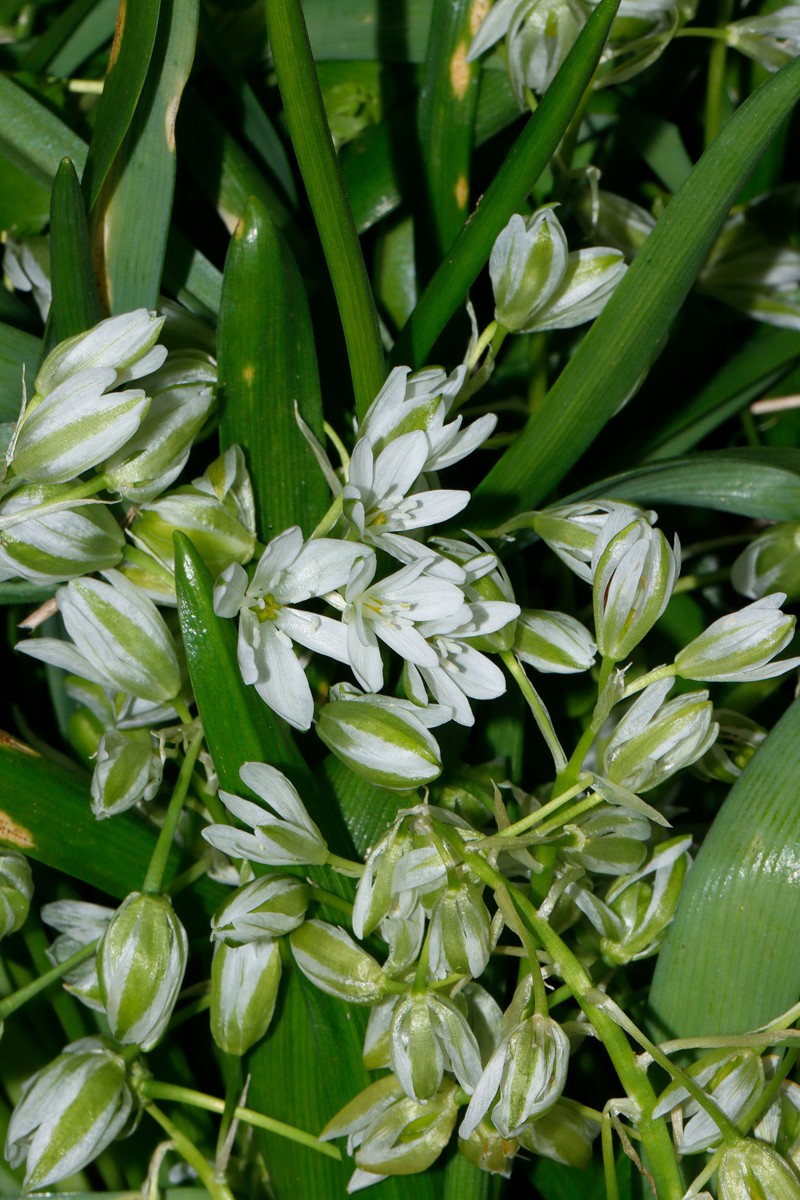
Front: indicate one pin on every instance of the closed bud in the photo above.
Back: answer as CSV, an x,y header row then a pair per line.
x,y
68,1113
645,903
770,563
524,1077
429,1035
751,1170
608,841
128,770
634,574
732,1078
460,932
564,1134
336,964
54,542
539,34
267,907
409,1136
125,345
655,739
737,741
149,575
79,924
740,647
244,988
553,642
390,748
488,1150
214,527
119,639
571,530
16,889
141,962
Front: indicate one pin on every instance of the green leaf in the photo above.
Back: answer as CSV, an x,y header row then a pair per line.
x,y
625,339
659,142
266,365
24,202
18,351
33,137
141,178
507,193
754,483
75,307
74,35
134,39
192,279
731,958
308,128
368,29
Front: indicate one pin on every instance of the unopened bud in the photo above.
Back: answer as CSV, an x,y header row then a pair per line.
x,y
654,739
428,1035
751,1170
563,1134
244,988
634,574
264,908
737,741
571,530
391,749
460,932
553,642
732,1078
128,770
336,964
283,832
740,647
79,924
771,563
55,543
16,889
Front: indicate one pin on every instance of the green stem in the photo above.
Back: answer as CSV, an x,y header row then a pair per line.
x,y
540,714
216,1189
715,83
577,810
481,344
609,1168
152,1089
702,31
308,129
345,866
541,814
762,1102
154,879
331,517
653,676
655,1136
16,1000
322,896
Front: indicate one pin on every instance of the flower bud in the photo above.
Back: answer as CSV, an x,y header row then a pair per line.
x,y
772,40
391,749
732,1078
770,563
429,1035
140,966
562,1134
289,837
615,219
523,1078
214,527
539,34
68,1113
79,924
244,988
181,395
645,903
336,964
460,932
654,740
264,908
634,574
751,1170
737,741
571,530
148,575
128,770
125,344
16,889
609,841
553,642
488,1150
739,647
526,266
55,543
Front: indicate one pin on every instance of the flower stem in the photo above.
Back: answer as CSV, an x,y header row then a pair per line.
x,y
541,814
715,83
152,1089
540,714
329,520
481,344
217,1189
16,1000
158,863
651,677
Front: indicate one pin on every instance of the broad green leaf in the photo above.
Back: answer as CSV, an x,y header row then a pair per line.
x,y
76,33
75,306
368,811
754,483
731,958
628,335
18,351
45,812
351,29
507,193
308,128
24,201
267,365
191,278
33,137
134,39
141,177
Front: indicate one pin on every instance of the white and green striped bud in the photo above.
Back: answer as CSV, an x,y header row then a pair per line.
x,y
553,642
524,1077
214,527
737,741
119,639
460,932
181,395
634,573
655,739
140,965
267,907
68,1113
390,748
428,1036
148,575
336,964
526,266
79,924
16,889
644,904
285,836
125,344
563,1134
128,769
732,1078
751,1170
571,530
770,563
244,988
740,647
54,542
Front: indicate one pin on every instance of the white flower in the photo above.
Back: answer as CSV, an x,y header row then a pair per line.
x,y
289,572
539,34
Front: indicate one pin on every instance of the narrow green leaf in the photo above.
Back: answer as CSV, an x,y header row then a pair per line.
x,y
18,351
267,364
75,306
134,39
446,115
731,958
305,116
660,144
754,483
463,1181
625,339
24,201
33,137
141,178
45,812
528,157
368,29
76,33
191,278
